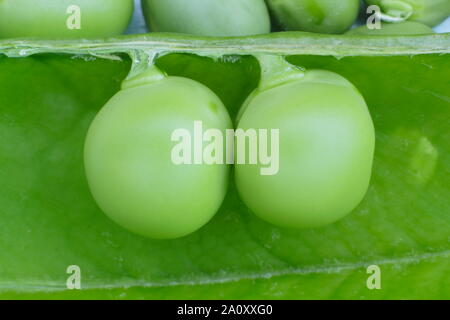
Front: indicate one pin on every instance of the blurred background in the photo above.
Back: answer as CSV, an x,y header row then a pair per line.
x,y
138,25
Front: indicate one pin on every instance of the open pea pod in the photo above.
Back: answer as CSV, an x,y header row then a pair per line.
x,y
51,91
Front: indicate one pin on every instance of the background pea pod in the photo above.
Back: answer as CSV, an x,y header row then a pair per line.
x,y
208,18
49,219
430,12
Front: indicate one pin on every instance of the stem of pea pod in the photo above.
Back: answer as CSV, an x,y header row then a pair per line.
x,y
275,70
395,11
143,70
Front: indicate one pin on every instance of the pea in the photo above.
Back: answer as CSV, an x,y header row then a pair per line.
x,y
429,12
321,16
64,18
207,17
129,164
326,148
401,28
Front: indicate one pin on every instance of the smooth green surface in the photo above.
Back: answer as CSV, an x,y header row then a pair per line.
x,y
207,18
304,284
321,16
49,18
430,12
50,221
326,146
407,27
129,165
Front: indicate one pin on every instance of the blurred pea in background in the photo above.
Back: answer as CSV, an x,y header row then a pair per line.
x,y
138,24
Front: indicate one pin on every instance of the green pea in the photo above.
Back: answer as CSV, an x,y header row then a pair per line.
x,y
207,17
429,12
64,18
129,164
321,16
401,28
326,148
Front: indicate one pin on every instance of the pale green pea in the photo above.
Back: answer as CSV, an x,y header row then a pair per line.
x,y
64,18
326,149
129,164
207,17
321,16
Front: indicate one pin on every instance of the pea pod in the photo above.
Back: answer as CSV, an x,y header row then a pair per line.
x,y
326,146
64,18
128,162
206,17
430,12
401,28
322,16
50,221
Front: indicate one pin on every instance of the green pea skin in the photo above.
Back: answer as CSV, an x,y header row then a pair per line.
x,y
128,160
48,18
326,148
429,12
401,28
320,16
207,17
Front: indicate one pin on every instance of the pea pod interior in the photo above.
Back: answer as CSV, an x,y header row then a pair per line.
x,y
50,221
